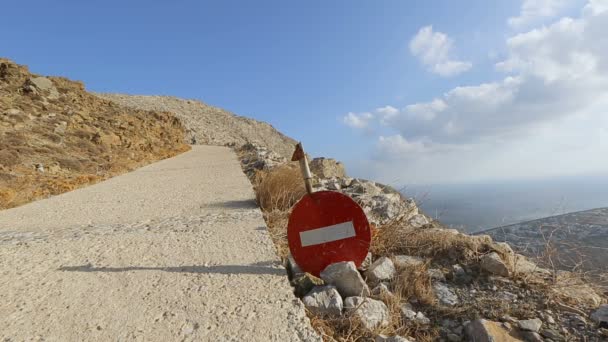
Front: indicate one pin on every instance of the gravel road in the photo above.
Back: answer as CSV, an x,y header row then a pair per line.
x,y
176,250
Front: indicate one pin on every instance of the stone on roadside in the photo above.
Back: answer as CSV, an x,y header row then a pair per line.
x,y
304,283
494,264
381,270
445,295
345,277
323,301
600,316
482,330
372,313
533,325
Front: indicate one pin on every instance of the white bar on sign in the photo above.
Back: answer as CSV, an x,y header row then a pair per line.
x,y
335,232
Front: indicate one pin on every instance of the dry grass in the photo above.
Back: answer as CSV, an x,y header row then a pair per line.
x,y
439,244
415,282
276,221
279,188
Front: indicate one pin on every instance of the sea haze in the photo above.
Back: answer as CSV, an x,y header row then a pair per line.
x,y
481,206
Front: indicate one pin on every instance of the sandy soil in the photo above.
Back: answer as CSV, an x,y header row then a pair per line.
x,y
176,250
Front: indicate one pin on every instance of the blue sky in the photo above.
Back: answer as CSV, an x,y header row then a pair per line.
x,y
305,66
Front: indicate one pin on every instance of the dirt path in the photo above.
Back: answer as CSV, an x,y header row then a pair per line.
x,y
176,250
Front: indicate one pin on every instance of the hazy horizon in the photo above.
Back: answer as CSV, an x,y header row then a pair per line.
x,y
474,207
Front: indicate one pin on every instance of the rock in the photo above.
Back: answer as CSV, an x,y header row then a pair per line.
x,y
39,168
531,336
345,277
366,262
327,168
396,338
418,221
494,264
381,270
481,330
533,325
372,313
406,261
422,319
361,186
304,283
552,334
381,291
460,275
436,274
12,111
324,301
407,312
333,185
346,182
46,85
522,265
453,337
600,316
445,295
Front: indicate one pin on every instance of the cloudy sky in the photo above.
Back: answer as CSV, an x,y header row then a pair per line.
x,y
403,92
544,114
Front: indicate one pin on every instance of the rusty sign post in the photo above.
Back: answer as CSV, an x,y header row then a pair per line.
x,y
299,155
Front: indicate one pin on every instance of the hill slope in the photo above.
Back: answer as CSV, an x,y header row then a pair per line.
x,y
55,137
210,125
579,238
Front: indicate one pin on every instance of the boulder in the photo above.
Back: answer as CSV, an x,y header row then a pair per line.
x,y
533,325
445,295
345,277
418,221
408,313
482,330
494,264
600,316
372,313
323,301
45,85
327,168
381,270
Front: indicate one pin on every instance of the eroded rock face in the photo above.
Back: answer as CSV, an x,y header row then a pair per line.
x,y
372,313
327,168
345,277
324,301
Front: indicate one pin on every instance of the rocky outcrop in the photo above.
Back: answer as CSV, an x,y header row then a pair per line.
x,y
55,136
210,125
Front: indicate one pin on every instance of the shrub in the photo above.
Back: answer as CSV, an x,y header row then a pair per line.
x,y
279,188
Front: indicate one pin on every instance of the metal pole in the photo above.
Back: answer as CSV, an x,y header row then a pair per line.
x,y
299,155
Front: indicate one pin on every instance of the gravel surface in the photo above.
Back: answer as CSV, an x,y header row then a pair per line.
x,y
176,250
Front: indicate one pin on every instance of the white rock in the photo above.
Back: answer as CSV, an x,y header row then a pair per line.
x,y
324,301
494,264
381,270
345,277
381,290
533,325
372,313
445,295
366,262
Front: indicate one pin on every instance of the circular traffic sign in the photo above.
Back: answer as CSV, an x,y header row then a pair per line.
x,y
326,227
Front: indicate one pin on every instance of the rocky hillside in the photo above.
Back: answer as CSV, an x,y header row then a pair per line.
x,y
210,125
55,136
422,281
576,240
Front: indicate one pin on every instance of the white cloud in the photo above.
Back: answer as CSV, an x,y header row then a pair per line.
x,y
434,50
358,121
546,116
533,10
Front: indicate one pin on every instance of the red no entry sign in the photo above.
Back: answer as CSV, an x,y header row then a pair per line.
x,y
327,227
